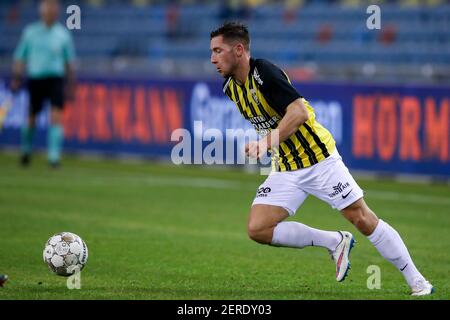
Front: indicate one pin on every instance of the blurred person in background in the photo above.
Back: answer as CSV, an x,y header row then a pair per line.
x,y
45,54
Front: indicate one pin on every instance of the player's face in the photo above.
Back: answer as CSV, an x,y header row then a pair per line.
x,y
223,56
49,10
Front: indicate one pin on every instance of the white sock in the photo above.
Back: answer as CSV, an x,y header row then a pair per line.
x,y
297,235
391,247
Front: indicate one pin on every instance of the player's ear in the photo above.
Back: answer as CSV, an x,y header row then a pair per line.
x,y
239,50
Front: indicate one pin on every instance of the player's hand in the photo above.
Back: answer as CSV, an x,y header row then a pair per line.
x,y
256,149
15,84
70,91
251,149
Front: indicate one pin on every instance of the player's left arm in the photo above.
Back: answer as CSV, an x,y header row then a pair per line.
x,y
69,58
296,115
70,81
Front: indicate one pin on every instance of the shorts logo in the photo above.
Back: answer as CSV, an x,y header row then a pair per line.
x,y
263,191
346,195
338,189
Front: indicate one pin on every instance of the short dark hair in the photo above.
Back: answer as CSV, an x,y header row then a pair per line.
x,y
233,31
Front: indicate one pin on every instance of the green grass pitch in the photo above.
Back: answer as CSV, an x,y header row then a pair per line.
x,y
166,232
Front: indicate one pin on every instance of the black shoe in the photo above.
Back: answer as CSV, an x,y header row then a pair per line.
x,y
3,279
54,164
25,160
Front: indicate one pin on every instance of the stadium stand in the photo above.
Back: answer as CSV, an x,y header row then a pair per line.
x,y
312,39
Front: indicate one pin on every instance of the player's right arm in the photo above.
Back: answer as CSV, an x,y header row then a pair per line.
x,y
279,92
17,75
19,60
296,114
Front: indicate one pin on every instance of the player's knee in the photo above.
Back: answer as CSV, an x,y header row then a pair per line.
x,y
262,221
258,233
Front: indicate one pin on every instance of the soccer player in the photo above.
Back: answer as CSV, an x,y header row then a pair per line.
x,y
46,50
306,162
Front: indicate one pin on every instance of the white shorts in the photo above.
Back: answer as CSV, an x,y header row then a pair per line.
x,y
328,180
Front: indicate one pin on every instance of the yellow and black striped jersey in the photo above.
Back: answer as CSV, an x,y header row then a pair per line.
x,y
263,100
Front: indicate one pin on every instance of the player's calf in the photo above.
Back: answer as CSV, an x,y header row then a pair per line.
x,y
360,215
389,244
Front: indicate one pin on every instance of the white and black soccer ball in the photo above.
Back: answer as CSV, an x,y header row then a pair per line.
x,y
65,253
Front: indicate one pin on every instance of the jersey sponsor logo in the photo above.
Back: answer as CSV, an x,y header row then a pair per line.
x,y
255,96
262,192
339,188
262,123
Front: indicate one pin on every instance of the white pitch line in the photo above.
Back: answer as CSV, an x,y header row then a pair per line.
x,y
408,197
232,185
211,183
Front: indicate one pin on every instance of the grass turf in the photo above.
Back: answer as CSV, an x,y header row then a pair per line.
x,y
163,232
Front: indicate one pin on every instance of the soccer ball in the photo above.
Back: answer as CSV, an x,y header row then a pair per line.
x,y
65,253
